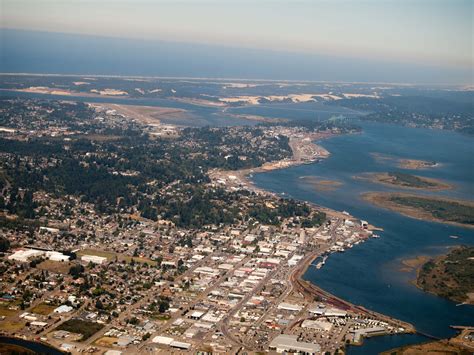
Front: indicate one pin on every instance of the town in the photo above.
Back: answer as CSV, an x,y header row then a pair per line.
x,y
165,255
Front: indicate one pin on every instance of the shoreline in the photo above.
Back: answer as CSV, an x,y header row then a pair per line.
x,y
299,146
312,291
242,179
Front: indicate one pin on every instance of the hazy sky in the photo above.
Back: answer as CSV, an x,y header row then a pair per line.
x,y
432,33
437,32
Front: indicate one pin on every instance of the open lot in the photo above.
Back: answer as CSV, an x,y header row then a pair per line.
x,y
43,309
79,326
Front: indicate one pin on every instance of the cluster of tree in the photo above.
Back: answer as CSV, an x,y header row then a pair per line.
x,y
450,276
162,304
317,219
286,208
20,204
4,244
200,207
76,271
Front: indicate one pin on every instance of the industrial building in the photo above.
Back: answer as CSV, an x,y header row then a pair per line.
x,y
289,343
93,259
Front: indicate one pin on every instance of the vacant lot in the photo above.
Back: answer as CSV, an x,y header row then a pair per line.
x,y
11,326
79,326
107,342
43,309
58,267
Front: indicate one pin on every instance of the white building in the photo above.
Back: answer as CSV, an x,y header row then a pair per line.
x,y
317,325
294,260
63,309
93,259
289,343
162,340
290,307
57,256
24,255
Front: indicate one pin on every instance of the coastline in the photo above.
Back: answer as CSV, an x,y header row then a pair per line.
x,y
309,290
300,146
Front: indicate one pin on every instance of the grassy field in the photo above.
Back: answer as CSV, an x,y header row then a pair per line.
x,y
43,309
79,326
4,311
112,256
11,326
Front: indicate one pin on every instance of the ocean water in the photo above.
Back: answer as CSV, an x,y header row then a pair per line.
x,y
26,51
369,274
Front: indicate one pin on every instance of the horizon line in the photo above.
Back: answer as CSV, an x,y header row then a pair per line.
x,y
231,78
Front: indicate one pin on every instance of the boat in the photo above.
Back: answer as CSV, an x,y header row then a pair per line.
x,y
453,237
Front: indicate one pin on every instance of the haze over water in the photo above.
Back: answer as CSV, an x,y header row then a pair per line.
x,y
369,273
